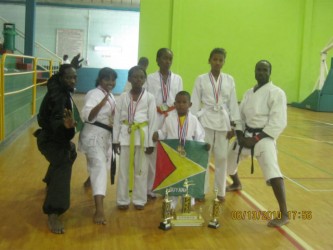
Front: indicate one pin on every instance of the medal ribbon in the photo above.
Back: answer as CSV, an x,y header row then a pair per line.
x,y
182,131
110,97
165,87
217,92
132,107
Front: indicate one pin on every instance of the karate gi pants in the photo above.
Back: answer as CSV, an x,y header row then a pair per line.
x,y
139,192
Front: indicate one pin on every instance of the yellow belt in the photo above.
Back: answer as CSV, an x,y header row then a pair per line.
x,y
135,126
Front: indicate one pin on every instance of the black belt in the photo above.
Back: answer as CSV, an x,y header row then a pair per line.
x,y
101,125
254,131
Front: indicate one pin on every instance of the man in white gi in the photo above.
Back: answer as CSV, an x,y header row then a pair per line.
x,y
164,85
214,102
264,113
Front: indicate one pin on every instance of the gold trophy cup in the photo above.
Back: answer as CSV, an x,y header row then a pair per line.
x,y
214,223
187,217
165,224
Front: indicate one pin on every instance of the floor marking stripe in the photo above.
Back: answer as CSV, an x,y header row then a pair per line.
x,y
293,238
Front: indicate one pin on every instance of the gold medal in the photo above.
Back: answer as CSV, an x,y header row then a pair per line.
x,y
181,150
164,107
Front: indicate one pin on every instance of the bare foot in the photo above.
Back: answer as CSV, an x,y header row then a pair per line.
x,y
87,183
221,198
99,218
55,225
278,222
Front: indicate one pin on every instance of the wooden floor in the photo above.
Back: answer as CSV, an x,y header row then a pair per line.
x,y
305,154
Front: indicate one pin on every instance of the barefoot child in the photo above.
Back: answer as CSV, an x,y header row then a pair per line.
x,y
134,124
215,104
96,138
181,125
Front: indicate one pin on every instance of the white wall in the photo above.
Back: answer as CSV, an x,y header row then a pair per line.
x,y
122,26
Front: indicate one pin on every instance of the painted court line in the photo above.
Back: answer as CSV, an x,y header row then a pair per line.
x,y
293,238
307,189
298,242
306,139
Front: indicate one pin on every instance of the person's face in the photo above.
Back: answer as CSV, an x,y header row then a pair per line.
x,y
108,83
165,60
144,65
182,104
69,78
262,72
216,62
137,79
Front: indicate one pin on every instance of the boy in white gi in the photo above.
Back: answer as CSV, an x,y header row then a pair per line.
x,y
181,125
164,85
264,113
215,104
134,125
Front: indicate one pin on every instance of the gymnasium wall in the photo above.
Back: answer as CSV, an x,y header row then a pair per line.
x,y
290,34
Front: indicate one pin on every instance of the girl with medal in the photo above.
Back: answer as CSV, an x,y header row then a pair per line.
x,y
182,125
95,139
164,85
215,104
134,124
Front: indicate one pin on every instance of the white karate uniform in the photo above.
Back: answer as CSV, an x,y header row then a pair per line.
x,y
145,112
169,130
153,85
267,109
216,118
96,142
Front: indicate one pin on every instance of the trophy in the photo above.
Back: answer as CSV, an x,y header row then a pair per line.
x,y
187,217
166,212
186,201
214,223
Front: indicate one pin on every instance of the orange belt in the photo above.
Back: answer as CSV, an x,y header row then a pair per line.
x,y
165,113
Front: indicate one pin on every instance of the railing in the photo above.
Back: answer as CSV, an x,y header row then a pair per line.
x,y
40,50
39,73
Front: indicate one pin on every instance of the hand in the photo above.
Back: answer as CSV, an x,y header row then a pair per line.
x,y
68,118
230,134
248,142
116,148
76,61
207,146
149,150
155,136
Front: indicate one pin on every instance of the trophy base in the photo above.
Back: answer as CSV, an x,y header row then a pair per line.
x,y
214,224
191,219
165,225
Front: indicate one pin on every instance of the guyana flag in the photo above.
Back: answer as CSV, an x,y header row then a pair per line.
x,y
172,169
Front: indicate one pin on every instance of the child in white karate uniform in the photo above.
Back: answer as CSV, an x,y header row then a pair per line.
x,y
181,125
96,138
164,85
134,124
215,104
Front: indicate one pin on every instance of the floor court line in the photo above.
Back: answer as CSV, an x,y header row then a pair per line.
x,y
292,237
306,139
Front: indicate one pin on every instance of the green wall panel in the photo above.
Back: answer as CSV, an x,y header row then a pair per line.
x,y
290,34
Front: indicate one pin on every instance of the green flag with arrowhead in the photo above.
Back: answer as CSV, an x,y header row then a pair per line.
x,y
173,169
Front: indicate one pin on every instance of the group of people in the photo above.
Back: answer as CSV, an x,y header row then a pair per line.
x,y
155,107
